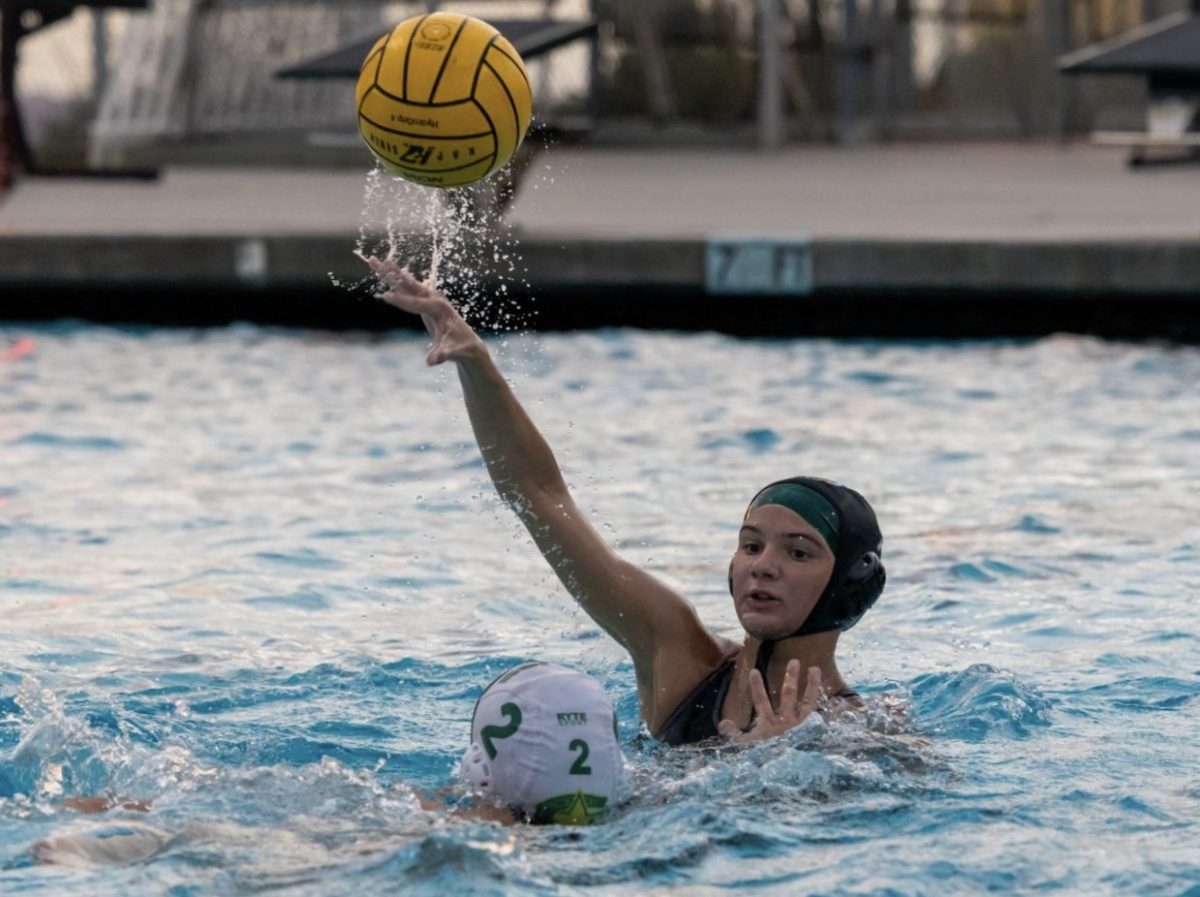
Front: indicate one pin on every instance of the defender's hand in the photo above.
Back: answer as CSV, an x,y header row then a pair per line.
x,y
769,722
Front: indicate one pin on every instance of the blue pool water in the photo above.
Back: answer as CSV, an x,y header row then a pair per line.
x,y
259,577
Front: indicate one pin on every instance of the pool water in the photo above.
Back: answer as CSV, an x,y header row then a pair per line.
x,y
259,577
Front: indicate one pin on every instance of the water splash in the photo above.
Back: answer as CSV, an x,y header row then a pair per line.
x,y
460,239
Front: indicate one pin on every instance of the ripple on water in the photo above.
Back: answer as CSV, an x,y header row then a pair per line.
x,y
1032,523
483,861
991,570
305,558
307,598
58,441
757,441
972,572
953,457
1004,461
979,703
873,378
1144,694
978,395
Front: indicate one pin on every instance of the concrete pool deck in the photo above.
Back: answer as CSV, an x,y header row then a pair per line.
x,y
970,220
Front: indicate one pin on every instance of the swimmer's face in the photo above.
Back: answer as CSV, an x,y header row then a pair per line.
x,y
780,569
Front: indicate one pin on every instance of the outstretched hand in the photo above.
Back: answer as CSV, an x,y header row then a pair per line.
x,y
453,337
769,722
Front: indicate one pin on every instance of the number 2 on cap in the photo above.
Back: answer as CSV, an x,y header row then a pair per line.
x,y
513,714
580,767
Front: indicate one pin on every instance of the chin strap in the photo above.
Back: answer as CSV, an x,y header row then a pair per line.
x,y
765,651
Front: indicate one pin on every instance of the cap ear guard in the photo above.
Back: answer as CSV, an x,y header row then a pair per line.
x,y
858,590
476,769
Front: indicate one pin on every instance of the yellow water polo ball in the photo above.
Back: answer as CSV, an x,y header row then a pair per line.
x,y
443,100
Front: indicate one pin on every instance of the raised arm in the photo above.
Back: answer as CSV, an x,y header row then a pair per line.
x,y
671,651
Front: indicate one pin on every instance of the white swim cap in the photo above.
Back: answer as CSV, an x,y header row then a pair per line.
x,y
544,742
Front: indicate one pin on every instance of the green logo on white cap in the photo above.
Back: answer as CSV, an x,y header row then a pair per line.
x,y
570,809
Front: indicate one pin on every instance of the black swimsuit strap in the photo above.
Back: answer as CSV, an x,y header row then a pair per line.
x,y
697,716
765,651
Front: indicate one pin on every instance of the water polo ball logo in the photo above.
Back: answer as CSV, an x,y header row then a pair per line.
x,y
436,31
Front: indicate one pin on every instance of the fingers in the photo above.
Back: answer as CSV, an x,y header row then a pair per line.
x,y
788,709
406,279
375,263
791,688
397,276
813,687
415,299
768,722
729,729
759,696
379,266
813,693
788,694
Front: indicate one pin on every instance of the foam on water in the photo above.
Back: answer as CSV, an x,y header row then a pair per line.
x,y
259,578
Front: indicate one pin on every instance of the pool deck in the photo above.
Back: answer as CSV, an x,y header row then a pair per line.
x,y
970,220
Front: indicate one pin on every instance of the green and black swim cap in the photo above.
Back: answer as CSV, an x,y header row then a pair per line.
x,y
847,523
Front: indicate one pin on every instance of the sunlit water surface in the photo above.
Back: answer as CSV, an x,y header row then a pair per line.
x,y
260,577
